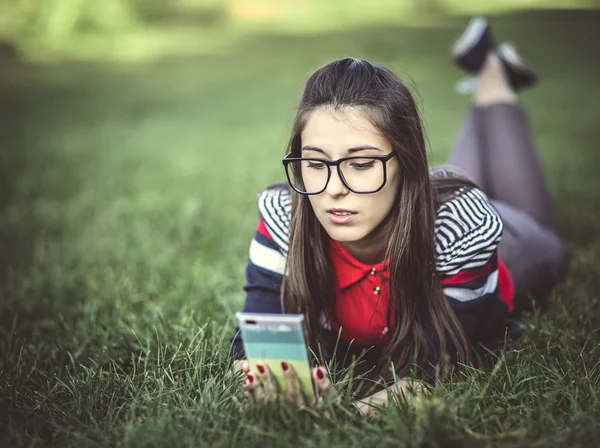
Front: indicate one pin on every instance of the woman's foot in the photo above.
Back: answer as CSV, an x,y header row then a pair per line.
x,y
471,48
470,52
519,74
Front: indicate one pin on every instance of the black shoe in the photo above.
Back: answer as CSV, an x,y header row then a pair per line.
x,y
472,47
519,74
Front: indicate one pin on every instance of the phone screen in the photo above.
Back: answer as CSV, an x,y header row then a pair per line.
x,y
270,339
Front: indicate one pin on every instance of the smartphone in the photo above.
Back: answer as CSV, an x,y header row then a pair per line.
x,y
270,339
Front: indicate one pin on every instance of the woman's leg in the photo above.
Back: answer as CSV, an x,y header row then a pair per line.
x,y
468,153
513,172
530,246
534,255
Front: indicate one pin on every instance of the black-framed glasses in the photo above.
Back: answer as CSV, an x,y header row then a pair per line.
x,y
360,174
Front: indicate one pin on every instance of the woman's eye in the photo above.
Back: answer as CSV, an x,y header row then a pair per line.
x,y
363,166
316,165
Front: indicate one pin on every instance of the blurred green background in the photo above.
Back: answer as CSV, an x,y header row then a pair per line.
x,y
134,138
142,29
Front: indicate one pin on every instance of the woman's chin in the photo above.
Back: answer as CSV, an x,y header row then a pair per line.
x,y
344,234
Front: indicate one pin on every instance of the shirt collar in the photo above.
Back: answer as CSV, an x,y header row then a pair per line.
x,y
349,270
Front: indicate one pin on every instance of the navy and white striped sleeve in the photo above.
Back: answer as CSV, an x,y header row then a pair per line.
x,y
467,233
275,207
267,259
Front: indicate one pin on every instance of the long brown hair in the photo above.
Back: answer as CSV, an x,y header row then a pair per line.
x,y
416,296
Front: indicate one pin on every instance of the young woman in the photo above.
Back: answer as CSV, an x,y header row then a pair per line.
x,y
406,266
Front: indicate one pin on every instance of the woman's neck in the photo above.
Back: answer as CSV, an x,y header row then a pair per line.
x,y
367,254
373,247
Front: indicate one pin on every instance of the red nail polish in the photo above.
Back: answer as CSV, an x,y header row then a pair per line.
x,y
284,366
261,368
251,378
320,373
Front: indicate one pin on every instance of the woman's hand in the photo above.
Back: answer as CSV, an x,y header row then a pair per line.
x,y
261,386
403,389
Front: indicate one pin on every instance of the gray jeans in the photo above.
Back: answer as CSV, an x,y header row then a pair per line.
x,y
496,151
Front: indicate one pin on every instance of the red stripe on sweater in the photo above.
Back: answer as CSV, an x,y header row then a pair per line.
x,y
506,286
470,275
262,229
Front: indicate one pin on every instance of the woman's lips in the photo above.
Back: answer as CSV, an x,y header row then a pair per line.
x,y
341,219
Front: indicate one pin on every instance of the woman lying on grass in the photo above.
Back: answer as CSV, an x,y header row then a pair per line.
x,y
405,265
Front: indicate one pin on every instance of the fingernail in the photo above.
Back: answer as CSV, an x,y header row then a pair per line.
x,y
250,378
320,373
261,368
284,366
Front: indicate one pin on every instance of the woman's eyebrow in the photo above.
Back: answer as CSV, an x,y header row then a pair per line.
x,y
362,148
350,151
313,148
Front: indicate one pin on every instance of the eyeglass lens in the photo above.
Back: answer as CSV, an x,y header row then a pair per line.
x,y
361,175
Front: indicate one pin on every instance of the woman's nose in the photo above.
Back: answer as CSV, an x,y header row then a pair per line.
x,y
335,187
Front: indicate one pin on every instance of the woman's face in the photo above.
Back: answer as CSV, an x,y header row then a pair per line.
x,y
331,135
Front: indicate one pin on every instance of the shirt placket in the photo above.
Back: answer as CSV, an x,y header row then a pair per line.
x,y
377,292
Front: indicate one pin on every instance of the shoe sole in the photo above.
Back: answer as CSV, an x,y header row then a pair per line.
x,y
519,73
470,37
508,52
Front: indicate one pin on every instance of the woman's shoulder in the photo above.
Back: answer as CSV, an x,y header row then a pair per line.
x,y
467,227
275,207
467,231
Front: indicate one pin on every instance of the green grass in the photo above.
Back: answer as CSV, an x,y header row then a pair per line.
x,y
127,203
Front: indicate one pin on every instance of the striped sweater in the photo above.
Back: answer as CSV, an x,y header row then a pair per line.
x,y
467,232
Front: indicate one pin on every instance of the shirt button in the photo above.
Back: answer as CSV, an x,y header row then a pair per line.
x,y
377,291
373,271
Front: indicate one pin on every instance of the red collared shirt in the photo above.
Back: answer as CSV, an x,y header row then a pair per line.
x,y
362,295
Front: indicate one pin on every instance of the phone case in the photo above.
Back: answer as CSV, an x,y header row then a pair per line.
x,y
272,338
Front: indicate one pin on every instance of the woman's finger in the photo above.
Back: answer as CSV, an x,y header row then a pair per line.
x,y
294,391
323,383
249,388
267,381
238,366
255,387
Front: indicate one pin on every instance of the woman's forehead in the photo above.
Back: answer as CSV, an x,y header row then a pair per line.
x,y
334,131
